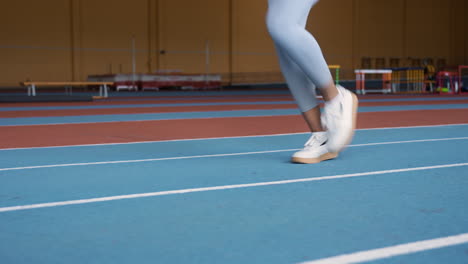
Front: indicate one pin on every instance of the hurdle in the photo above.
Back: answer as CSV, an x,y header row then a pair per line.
x,y
361,81
337,69
463,87
448,82
408,80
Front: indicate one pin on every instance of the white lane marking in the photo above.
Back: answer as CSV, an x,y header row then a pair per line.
x,y
223,187
408,141
398,250
142,160
234,137
214,155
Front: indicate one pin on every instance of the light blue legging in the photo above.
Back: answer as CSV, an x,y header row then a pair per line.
x,y
300,56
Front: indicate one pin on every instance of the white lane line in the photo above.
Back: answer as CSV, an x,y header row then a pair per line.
x,y
398,250
142,160
215,155
223,187
235,137
408,141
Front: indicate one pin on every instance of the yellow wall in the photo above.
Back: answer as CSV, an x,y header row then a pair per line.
x,y
187,29
425,35
465,31
35,41
106,31
70,39
336,38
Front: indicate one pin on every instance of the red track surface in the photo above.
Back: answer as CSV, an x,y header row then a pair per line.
x,y
209,99
122,132
141,110
163,100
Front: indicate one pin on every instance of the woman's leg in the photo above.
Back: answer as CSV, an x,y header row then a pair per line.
x,y
303,91
286,21
304,68
283,15
301,87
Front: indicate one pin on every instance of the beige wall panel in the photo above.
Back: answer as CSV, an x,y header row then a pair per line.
x,y
107,28
379,28
333,29
250,62
69,39
466,32
186,27
153,35
458,32
429,29
253,49
35,41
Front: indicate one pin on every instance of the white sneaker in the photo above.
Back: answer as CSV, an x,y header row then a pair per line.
x,y
340,120
315,150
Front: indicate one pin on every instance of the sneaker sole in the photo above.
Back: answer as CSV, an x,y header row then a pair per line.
x,y
326,156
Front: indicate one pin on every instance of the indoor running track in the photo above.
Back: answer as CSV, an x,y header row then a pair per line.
x,y
396,195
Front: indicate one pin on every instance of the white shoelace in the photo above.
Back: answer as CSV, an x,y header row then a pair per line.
x,y
316,140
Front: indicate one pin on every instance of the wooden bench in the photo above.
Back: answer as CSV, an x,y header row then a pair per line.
x,y
103,86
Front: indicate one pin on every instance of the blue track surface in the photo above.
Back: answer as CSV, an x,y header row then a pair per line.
x,y
207,114
283,223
